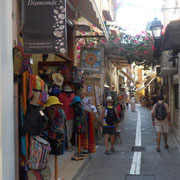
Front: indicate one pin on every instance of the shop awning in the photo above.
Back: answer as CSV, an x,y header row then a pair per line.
x,y
150,80
127,75
169,70
89,10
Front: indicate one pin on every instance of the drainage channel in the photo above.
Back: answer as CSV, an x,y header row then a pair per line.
x,y
139,177
137,148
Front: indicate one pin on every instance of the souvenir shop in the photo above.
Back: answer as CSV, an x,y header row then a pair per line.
x,y
52,117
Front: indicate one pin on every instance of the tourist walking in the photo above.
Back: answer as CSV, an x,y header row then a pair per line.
x,y
109,123
133,105
161,119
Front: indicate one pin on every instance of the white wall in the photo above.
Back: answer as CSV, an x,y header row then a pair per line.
x,y
7,167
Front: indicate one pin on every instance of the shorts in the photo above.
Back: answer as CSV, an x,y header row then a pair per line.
x,y
109,130
162,128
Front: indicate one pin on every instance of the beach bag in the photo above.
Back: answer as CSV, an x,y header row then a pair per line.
x,y
44,174
160,111
38,90
111,117
21,62
39,153
34,120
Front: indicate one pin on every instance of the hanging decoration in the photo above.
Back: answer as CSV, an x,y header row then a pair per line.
x,y
91,59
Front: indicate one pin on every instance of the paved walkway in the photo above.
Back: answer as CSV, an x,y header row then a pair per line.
x,y
136,129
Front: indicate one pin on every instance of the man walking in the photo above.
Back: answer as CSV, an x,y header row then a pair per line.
x,y
161,119
109,122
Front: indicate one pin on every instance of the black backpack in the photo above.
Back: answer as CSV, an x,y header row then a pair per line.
x,y
34,122
160,111
111,117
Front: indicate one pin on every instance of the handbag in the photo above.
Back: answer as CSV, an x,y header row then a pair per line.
x,y
39,153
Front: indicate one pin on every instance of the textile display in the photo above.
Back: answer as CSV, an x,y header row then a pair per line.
x,y
79,119
92,146
39,151
56,128
56,120
84,137
67,100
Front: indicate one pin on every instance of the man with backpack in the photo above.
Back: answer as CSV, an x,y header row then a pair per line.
x,y
109,123
161,119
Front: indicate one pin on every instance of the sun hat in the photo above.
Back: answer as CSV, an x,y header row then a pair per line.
x,y
76,99
52,100
109,98
58,79
67,89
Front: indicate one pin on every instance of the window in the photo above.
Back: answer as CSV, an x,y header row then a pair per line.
x,y
89,88
176,96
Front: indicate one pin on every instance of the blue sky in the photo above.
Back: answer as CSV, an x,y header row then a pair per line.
x,y
133,15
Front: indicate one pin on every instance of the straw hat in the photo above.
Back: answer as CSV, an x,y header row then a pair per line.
x,y
67,89
52,100
109,99
58,79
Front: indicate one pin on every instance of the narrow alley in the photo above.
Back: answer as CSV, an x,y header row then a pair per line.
x,y
146,164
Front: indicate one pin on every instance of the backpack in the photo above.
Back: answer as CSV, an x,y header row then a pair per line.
x,y
111,117
34,122
160,111
39,152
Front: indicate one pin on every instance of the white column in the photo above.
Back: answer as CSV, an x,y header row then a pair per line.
x,y
179,91
7,162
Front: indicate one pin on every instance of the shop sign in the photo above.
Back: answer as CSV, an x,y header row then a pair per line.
x,y
44,26
91,60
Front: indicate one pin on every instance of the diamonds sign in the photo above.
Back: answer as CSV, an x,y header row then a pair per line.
x,y
44,26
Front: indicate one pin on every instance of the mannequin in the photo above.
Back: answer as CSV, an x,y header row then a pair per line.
x,y
66,98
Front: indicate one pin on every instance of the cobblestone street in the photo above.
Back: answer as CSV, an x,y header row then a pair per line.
x,y
149,164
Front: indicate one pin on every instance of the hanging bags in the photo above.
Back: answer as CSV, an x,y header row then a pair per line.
x,y
39,152
37,90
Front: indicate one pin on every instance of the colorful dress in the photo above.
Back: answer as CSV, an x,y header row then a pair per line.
x,y
79,119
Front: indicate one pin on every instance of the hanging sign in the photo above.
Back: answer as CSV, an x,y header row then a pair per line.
x,y
44,27
91,60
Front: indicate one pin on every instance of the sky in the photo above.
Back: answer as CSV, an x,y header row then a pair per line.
x,y
133,15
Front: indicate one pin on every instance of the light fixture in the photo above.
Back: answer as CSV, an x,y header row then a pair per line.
x,y
156,28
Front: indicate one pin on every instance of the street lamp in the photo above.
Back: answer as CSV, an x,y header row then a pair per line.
x,y
156,28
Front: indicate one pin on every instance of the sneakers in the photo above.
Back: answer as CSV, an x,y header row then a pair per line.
x,y
107,152
158,149
112,149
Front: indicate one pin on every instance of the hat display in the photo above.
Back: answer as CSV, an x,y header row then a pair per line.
x,y
67,89
109,98
76,99
58,79
52,100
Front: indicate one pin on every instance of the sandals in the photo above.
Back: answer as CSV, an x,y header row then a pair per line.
x,y
76,158
107,152
166,146
112,149
158,149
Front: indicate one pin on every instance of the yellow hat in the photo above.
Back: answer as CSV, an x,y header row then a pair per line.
x,y
52,100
